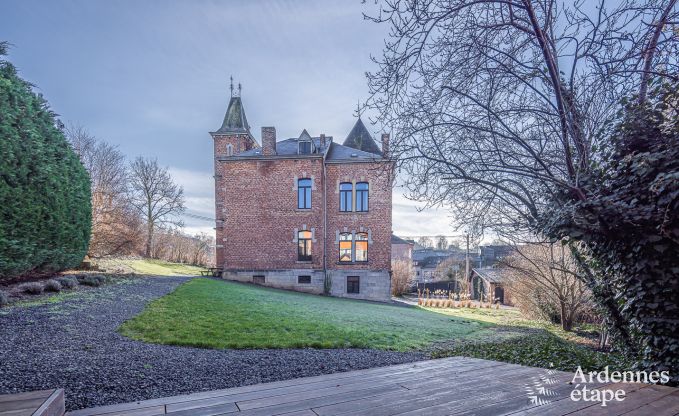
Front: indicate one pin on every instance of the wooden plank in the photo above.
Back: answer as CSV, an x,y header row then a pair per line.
x,y
297,384
219,409
426,395
22,404
54,405
317,401
566,406
666,406
633,401
420,374
357,384
39,394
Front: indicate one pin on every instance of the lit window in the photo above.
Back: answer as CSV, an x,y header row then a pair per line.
x,y
304,246
345,246
361,247
304,193
345,196
353,284
362,196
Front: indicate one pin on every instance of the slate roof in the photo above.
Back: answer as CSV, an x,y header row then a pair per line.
x,y
234,119
490,274
360,138
337,152
398,240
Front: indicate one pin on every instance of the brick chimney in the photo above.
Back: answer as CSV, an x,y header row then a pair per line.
x,y
385,144
268,141
323,142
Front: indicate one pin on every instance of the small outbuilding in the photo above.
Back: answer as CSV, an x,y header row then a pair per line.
x,y
490,283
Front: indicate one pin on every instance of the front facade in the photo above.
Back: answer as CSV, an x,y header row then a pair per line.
x,y
303,213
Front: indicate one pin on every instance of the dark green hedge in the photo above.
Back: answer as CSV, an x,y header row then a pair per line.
x,y
45,213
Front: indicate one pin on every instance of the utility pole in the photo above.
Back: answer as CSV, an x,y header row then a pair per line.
x,y
466,274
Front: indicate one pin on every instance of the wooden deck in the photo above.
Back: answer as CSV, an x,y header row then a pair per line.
x,y
459,386
33,403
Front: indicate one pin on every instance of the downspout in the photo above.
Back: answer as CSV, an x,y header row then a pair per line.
x,y
325,217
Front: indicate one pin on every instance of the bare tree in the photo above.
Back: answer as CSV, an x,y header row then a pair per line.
x,y
401,276
502,112
425,242
544,280
115,227
155,196
496,103
441,242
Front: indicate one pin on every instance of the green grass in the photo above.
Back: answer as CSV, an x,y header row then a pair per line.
x,y
150,267
220,314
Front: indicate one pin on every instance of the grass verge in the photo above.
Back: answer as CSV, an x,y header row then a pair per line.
x,y
219,314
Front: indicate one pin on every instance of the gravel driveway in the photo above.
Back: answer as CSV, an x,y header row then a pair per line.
x,y
73,344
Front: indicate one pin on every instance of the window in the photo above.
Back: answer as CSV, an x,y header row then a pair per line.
x,y
258,279
362,196
229,150
304,193
345,243
361,247
305,280
345,196
353,284
304,148
304,246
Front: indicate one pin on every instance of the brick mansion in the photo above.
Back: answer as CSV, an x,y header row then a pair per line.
x,y
303,213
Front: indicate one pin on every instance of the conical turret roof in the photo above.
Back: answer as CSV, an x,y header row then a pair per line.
x,y
360,138
234,119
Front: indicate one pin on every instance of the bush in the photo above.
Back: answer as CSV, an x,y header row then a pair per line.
x,y
402,273
33,288
52,286
67,282
4,298
44,189
92,280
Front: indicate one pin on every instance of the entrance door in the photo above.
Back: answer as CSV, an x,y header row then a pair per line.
x,y
500,294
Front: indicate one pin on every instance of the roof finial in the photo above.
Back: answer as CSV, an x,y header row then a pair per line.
x,y
231,78
239,88
358,108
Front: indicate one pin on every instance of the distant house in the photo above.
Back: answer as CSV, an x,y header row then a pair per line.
x,y
491,283
492,254
401,249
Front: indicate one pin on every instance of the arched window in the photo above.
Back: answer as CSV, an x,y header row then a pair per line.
x,y
361,247
345,196
304,193
304,245
362,196
345,247
229,150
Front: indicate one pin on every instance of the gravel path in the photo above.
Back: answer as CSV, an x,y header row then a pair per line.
x,y
73,344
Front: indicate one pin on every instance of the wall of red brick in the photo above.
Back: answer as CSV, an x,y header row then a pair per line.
x,y
259,203
377,220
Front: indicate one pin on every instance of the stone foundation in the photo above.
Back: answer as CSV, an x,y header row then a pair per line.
x,y
374,284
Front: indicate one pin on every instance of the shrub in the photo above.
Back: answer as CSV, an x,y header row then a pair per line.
x,y
44,189
67,282
402,273
52,285
92,280
33,288
4,298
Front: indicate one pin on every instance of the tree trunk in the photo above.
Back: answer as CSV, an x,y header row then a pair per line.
x,y
149,238
566,318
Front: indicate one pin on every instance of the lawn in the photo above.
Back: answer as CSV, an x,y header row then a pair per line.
x,y
220,314
149,267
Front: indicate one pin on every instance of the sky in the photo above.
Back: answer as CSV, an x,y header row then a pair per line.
x,y
152,77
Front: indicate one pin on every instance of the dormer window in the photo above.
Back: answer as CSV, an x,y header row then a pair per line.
x,y
304,147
